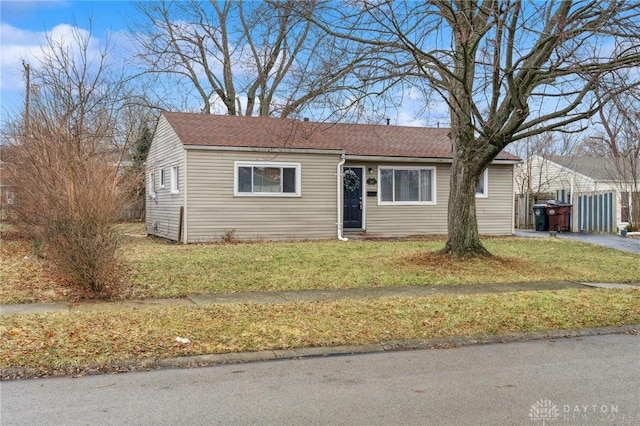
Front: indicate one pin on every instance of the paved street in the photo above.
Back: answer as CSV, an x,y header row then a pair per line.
x,y
589,380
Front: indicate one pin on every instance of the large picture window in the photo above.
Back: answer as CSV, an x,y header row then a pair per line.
x,y
407,185
269,179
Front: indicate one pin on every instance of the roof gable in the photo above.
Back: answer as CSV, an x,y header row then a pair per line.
x,y
596,168
354,139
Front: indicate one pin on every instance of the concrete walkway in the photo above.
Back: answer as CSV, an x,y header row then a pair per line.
x,y
302,296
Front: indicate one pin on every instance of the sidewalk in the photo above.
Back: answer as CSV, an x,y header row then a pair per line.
x,y
302,296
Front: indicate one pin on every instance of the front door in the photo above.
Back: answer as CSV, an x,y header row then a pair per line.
x,y
352,196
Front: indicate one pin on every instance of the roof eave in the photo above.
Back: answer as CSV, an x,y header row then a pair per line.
x,y
262,149
380,158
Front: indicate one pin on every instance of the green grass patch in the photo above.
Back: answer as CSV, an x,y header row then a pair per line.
x,y
168,270
46,343
158,269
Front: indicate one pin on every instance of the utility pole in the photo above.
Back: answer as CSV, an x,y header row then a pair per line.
x,y
27,97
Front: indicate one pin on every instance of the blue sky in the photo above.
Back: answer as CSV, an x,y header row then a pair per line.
x,y
24,25
41,15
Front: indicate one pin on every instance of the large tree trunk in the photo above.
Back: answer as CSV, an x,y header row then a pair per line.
x,y
464,239
470,157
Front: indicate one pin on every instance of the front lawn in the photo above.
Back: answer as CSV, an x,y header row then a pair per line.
x,y
82,342
159,269
170,270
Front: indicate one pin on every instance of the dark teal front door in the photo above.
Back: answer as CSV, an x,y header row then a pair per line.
x,y
352,194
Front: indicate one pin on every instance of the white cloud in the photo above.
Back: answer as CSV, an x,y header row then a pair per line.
x,y
31,46
17,44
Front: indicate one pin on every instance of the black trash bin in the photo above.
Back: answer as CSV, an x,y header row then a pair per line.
x,y
541,218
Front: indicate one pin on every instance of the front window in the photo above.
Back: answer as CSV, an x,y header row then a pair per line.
x,y
271,179
407,185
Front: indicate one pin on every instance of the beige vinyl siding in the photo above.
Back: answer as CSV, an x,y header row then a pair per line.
x,y
547,176
495,212
213,210
403,220
163,213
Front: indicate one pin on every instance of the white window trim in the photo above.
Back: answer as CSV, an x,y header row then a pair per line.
x,y
434,187
162,177
485,178
175,188
238,164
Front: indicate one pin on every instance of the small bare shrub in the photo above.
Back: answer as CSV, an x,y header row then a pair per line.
x,y
229,236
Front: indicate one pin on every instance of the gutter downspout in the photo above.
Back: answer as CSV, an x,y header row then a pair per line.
x,y
339,197
185,161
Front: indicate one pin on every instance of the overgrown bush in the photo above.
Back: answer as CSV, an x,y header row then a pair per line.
x,y
69,200
65,153
85,253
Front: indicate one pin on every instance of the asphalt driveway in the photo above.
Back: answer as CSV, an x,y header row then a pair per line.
x,y
631,245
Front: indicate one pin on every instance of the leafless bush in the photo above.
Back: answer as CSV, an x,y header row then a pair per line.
x,y
69,199
229,236
65,154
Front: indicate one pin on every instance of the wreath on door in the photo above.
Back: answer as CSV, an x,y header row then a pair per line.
x,y
350,180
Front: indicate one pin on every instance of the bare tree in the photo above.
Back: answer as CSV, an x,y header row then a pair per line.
x,y
65,153
507,69
257,53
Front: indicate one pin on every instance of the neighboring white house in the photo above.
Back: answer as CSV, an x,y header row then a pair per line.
x,y
564,177
277,179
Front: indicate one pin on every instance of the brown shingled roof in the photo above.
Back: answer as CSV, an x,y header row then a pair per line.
x,y
597,168
353,139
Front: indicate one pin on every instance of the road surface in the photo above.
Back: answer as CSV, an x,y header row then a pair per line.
x,y
589,380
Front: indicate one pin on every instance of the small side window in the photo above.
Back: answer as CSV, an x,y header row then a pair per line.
x,y
152,184
174,180
162,178
483,185
9,196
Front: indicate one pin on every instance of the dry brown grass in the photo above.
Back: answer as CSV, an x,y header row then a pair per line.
x,y
80,342
484,268
25,276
